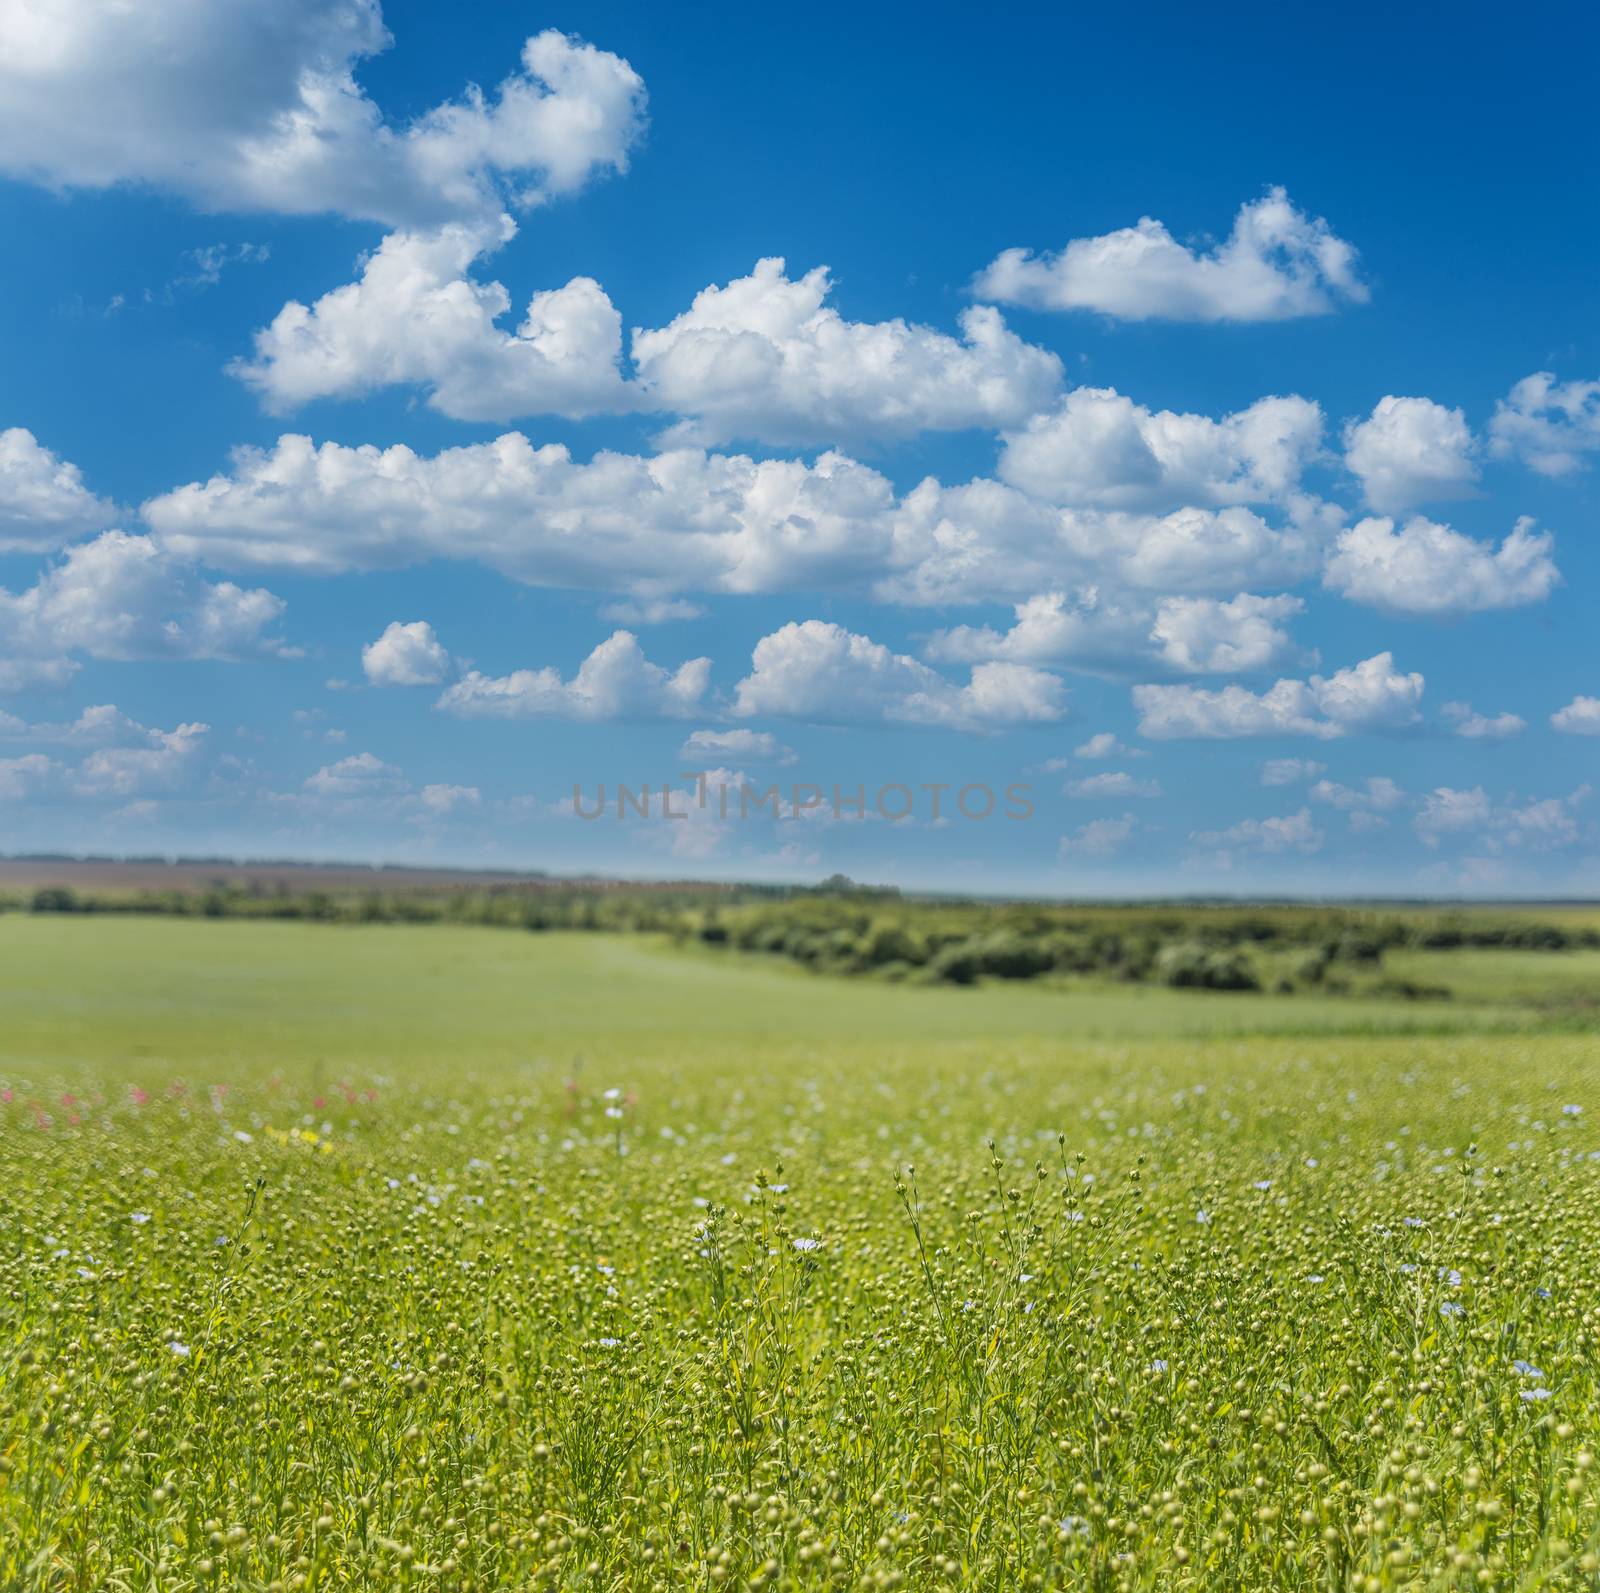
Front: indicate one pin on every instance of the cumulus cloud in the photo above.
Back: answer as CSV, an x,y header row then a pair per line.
x,y
438,800
1549,425
122,597
1100,787
1371,695
1482,727
685,520
1105,745
1200,636
127,771
1428,569
616,681
1292,832
1378,794
1095,629
362,774
766,358
820,671
1101,449
406,655
1411,451
1099,837
43,499
562,359
1446,810
1276,264
25,777
243,107
1289,771
1581,717
749,746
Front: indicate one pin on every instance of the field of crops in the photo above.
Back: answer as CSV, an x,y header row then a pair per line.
x,y
452,1258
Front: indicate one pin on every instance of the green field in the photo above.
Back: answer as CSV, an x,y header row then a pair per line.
x,y
458,1258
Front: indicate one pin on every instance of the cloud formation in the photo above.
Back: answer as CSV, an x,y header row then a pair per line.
x,y
248,108
405,655
1550,426
1276,264
1411,451
1371,695
819,671
1424,568
616,681
43,500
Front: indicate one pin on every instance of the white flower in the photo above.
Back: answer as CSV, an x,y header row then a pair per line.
x,y
1450,1308
1572,1111
610,1344
613,1094
808,1244
139,1217
1315,1277
1532,1394
1526,1369
179,1349
1262,1183
1202,1215
244,1138
1158,1366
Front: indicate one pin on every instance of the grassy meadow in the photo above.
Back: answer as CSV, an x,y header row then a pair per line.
x,y
441,1257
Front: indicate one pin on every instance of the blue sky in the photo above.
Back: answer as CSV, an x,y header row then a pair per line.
x,y
1194,422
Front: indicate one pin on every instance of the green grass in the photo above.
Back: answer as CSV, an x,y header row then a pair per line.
x,y
330,1262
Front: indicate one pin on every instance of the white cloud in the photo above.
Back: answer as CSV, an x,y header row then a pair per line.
x,y
650,611
766,358
1429,569
1096,629
406,655
244,107
1105,745
132,771
1480,727
1446,810
1098,787
1537,824
1548,425
1085,628
1581,717
1201,636
750,746
1289,771
1379,794
439,800
122,597
819,671
1099,837
21,778
1411,451
562,359
1293,832
1103,450
691,521
103,725
616,681
1277,263
360,775
1371,695
43,501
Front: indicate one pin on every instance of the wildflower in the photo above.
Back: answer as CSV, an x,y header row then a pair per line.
x,y
140,1217
610,1344
1202,1215
1262,1183
1450,1276
1314,1277
1158,1366
1526,1369
1450,1308
1572,1111
179,1349
243,1137
1530,1395
1415,1222
613,1094
808,1244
